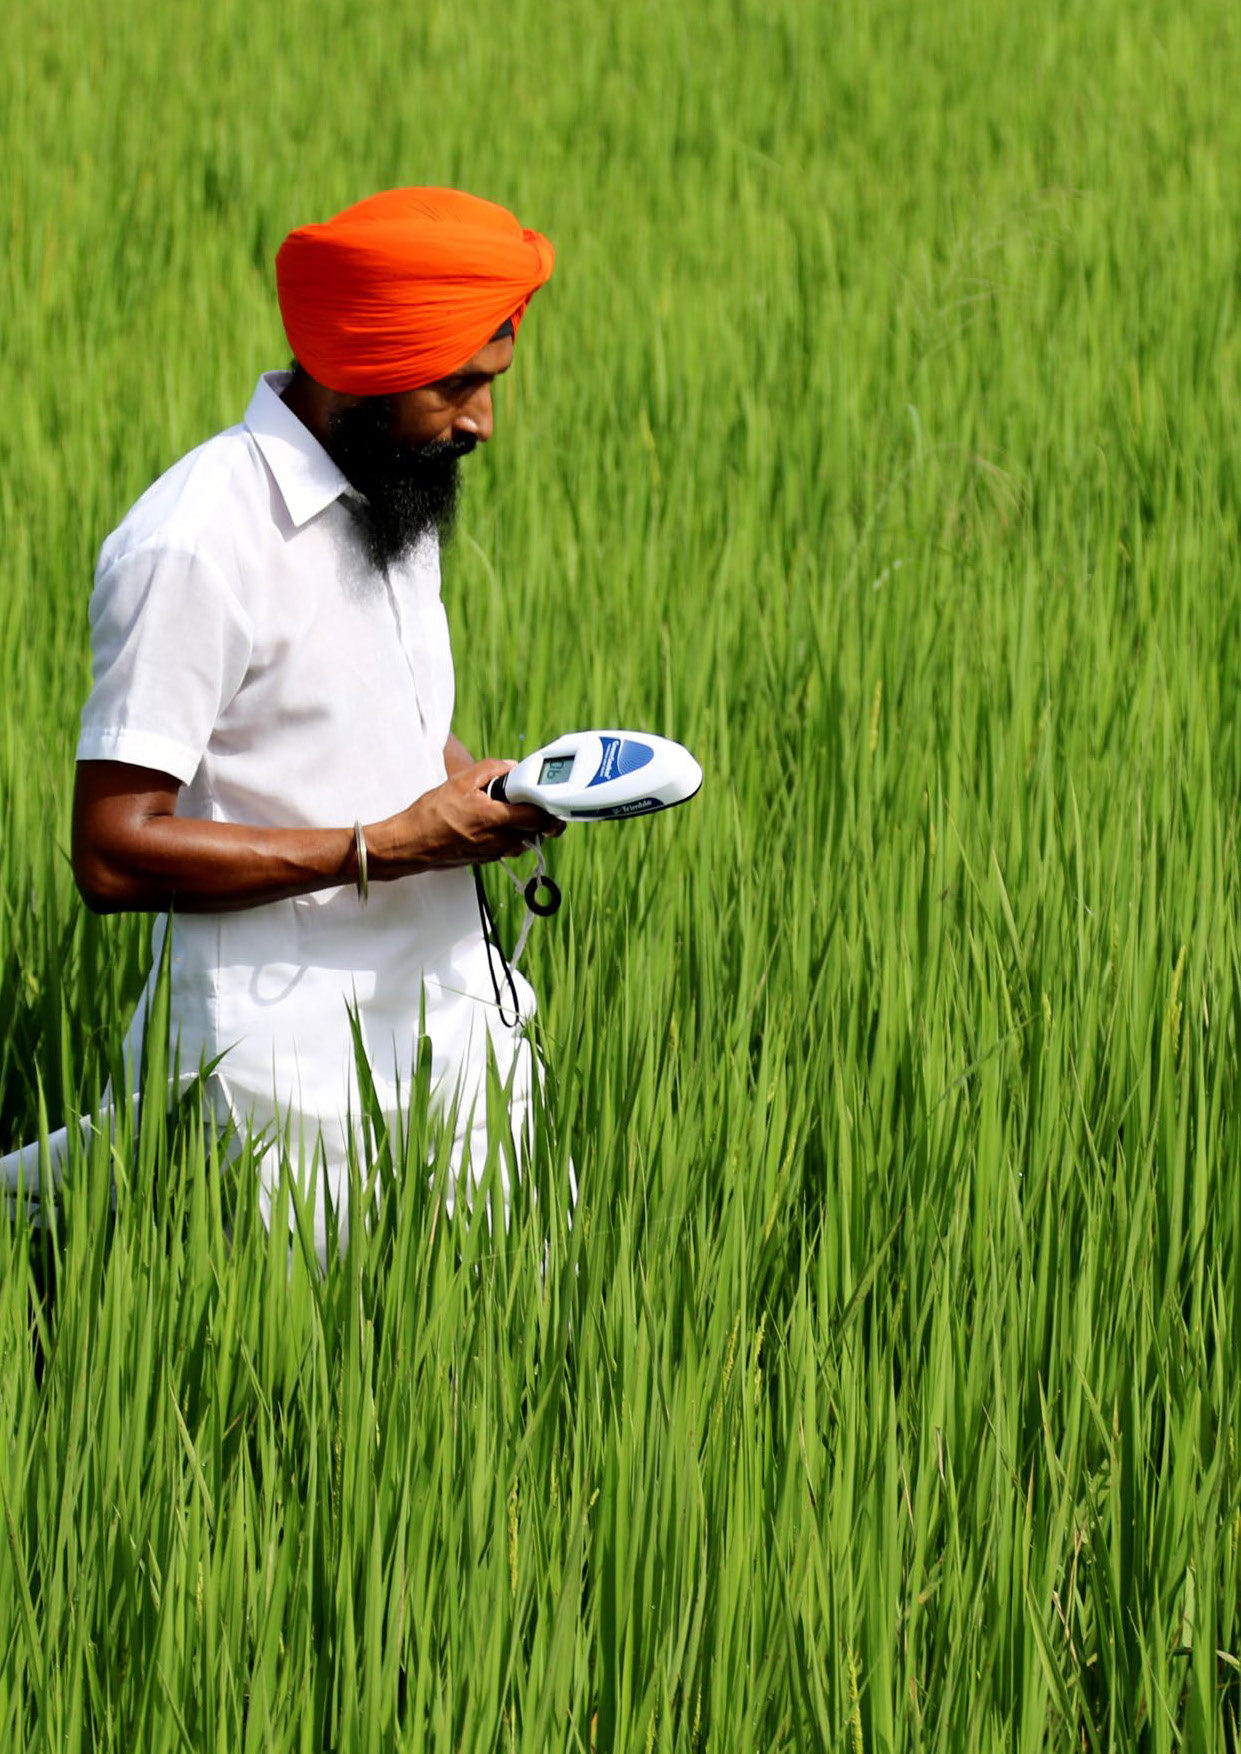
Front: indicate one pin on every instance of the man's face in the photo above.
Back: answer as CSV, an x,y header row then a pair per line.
x,y
402,452
458,406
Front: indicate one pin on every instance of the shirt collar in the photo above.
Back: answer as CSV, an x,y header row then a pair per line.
x,y
308,479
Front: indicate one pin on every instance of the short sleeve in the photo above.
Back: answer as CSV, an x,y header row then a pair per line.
x,y
170,644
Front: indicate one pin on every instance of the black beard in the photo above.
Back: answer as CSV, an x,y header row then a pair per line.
x,y
406,493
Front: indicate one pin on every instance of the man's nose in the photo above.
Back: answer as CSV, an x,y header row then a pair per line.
x,y
476,416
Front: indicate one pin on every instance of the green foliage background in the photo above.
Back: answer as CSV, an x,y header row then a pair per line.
x,y
878,437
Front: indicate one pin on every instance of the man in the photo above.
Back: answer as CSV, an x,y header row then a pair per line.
x,y
267,749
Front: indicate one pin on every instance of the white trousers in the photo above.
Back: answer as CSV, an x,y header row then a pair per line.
x,y
318,1149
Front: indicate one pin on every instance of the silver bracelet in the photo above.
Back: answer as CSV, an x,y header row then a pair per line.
x,y
359,841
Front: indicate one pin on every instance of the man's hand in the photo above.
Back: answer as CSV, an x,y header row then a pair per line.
x,y
456,824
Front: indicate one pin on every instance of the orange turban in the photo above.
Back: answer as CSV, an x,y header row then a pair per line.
x,y
401,289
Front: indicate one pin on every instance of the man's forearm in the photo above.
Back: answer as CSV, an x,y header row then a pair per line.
x,y
456,756
131,851
212,867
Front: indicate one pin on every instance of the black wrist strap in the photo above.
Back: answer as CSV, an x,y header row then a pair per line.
x,y
491,938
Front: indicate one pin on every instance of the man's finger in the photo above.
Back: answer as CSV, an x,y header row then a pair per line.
x,y
523,820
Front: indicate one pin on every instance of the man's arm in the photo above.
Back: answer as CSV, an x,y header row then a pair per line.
x,y
456,756
132,852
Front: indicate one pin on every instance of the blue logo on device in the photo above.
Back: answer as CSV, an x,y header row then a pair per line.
x,y
621,756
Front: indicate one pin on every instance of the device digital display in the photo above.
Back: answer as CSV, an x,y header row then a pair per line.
x,y
555,770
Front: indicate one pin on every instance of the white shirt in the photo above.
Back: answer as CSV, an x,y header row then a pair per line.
x,y
243,643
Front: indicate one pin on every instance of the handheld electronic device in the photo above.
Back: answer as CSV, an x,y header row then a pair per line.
x,y
602,776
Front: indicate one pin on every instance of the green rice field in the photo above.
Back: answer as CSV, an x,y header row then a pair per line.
x,y
879,437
